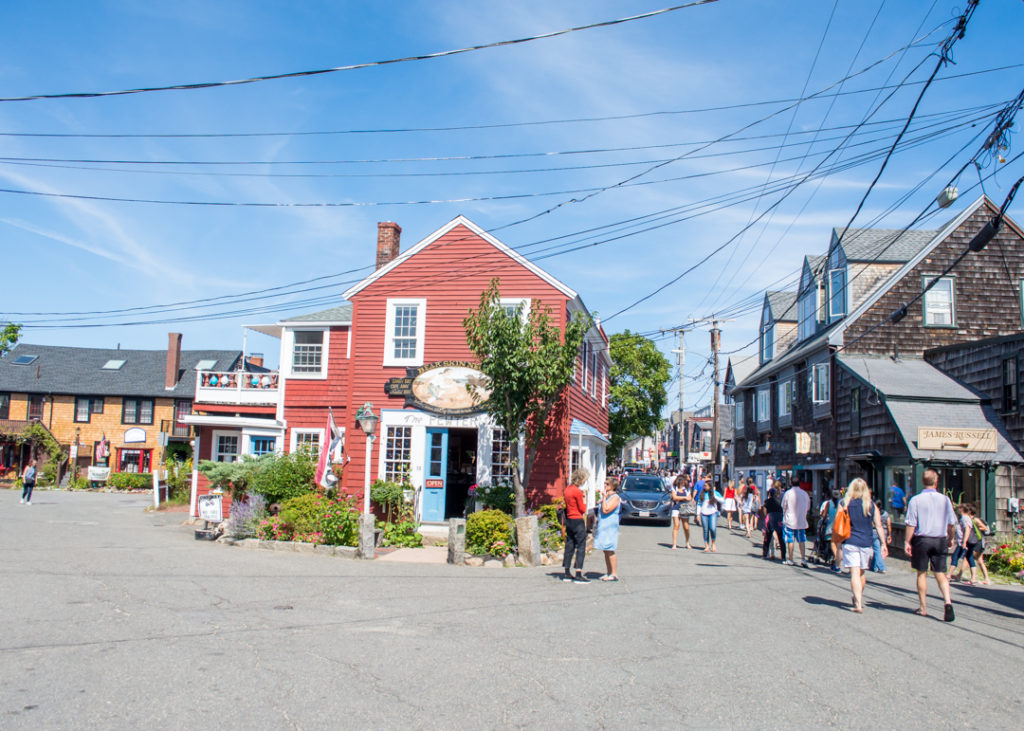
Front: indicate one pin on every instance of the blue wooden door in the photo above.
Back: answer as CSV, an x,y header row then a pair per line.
x,y
436,476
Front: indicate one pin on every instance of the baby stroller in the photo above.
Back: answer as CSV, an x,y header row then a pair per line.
x,y
822,547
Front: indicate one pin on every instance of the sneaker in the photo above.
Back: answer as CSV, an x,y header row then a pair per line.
x,y
567,577
787,562
836,570
23,501
804,564
580,579
948,616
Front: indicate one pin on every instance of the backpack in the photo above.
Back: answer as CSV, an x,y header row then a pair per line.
x,y
841,526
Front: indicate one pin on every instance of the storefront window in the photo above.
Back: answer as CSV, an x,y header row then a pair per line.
x,y
501,458
898,489
133,460
962,486
398,453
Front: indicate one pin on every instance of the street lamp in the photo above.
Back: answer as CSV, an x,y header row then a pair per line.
x,y
368,423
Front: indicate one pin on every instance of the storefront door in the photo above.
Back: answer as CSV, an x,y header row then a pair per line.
x,y
436,476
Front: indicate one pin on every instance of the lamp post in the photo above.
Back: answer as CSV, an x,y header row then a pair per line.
x,y
368,423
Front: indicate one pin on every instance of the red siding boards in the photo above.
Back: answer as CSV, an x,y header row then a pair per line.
x,y
206,452
449,273
306,401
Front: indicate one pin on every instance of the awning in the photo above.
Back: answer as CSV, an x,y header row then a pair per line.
x,y
909,415
583,429
273,331
236,422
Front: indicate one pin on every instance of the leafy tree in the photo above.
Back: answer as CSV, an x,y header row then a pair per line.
x,y
528,362
9,337
637,388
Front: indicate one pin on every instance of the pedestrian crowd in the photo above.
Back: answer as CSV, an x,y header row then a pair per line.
x,y
854,529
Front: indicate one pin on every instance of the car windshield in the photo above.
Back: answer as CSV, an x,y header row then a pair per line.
x,y
644,484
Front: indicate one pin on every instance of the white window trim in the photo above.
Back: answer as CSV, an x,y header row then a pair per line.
x,y
593,376
952,302
815,369
216,434
832,315
288,351
784,408
737,416
757,405
586,360
295,435
604,386
389,331
523,302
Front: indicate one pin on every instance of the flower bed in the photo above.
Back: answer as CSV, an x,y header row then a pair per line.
x,y
1007,560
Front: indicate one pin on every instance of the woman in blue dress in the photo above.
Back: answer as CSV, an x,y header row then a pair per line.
x,y
607,538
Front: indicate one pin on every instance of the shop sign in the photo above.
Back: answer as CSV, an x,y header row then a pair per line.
x,y
98,474
808,442
211,508
134,436
451,388
956,440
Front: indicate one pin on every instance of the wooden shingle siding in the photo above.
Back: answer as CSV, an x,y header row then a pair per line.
x,y
987,299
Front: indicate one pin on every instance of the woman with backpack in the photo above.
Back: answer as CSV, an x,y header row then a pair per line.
x,y
827,517
854,526
974,543
28,481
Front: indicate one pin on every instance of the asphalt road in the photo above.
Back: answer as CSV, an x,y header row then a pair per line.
x,y
117,618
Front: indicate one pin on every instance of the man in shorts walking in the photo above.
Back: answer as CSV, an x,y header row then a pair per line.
x,y
795,504
930,524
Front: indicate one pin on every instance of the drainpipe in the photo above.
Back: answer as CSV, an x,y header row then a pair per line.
x,y
833,378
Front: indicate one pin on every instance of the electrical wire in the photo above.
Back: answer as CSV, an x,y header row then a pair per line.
x,y
354,67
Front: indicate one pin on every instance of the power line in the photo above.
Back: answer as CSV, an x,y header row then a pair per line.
x,y
354,67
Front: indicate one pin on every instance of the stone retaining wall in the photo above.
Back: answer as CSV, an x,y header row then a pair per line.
x,y
292,547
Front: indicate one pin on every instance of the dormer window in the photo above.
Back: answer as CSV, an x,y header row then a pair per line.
x,y
836,294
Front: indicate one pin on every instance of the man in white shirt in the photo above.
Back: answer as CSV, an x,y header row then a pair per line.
x,y
795,504
931,523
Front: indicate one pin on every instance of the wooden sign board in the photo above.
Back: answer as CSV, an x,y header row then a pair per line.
x,y
211,508
956,440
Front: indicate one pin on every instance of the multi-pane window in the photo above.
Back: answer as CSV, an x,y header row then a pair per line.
x,y
767,337
820,383
35,407
307,442
855,410
85,407
939,306
308,351
574,461
586,360
405,331
259,446
785,398
1010,398
137,411
764,404
501,458
5,406
133,460
225,448
737,417
593,375
398,453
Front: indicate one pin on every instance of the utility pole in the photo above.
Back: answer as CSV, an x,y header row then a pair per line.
x,y
681,361
716,343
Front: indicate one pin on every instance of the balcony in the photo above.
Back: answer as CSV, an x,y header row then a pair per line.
x,y
174,430
237,387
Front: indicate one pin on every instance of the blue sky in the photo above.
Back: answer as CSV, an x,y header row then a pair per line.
x,y
68,255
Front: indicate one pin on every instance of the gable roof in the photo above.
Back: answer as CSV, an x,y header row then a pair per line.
x,y
738,370
881,245
783,306
460,221
62,369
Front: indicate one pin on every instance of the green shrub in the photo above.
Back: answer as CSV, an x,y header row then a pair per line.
x,y
485,529
179,480
390,496
78,482
313,518
404,533
130,480
496,497
47,473
281,477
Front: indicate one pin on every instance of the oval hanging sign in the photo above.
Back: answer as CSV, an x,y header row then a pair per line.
x,y
450,387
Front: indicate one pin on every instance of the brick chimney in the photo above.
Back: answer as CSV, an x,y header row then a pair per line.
x,y
388,235
255,359
173,360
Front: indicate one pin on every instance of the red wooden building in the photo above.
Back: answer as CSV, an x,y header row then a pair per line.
x,y
399,344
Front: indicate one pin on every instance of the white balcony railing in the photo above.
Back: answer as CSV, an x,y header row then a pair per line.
x,y
236,387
